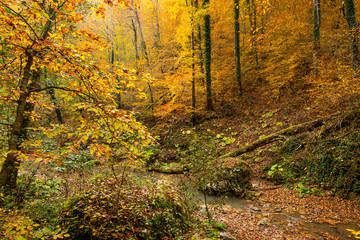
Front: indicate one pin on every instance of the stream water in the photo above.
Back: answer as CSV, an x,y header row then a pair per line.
x,y
294,218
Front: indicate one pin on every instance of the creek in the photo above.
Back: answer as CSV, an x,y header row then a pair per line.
x,y
278,217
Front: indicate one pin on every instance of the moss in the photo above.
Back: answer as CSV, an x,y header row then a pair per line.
x,y
330,161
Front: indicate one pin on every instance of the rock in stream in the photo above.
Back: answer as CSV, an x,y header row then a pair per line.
x,y
230,176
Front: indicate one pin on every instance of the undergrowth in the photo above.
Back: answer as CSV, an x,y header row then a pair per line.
x,y
331,162
105,208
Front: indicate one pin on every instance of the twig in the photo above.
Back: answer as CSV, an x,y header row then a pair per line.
x,y
77,92
123,175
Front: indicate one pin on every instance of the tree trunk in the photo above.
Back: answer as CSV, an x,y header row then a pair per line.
x,y
199,43
255,34
52,94
207,41
137,57
316,34
193,86
10,167
143,44
237,45
157,34
9,171
350,15
56,104
280,135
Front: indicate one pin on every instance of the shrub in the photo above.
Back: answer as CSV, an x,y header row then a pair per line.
x,y
111,211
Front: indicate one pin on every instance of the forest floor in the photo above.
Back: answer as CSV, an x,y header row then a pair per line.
x,y
292,211
284,211
279,213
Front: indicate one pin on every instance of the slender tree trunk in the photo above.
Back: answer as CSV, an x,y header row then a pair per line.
x,y
350,15
9,171
146,55
207,41
142,41
137,57
157,34
56,104
255,34
54,99
316,35
193,86
237,45
199,43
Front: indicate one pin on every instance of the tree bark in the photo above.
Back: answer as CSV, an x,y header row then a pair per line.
x,y
199,43
137,57
193,70
350,15
207,41
10,167
316,34
157,33
237,45
9,170
53,98
56,104
143,44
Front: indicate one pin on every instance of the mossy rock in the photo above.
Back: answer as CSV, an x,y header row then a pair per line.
x,y
229,176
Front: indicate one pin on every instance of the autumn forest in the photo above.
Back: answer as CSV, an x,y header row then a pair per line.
x,y
179,119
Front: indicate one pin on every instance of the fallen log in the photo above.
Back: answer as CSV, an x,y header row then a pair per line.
x,y
280,135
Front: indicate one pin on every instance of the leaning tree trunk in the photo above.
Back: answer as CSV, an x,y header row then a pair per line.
x,y
9,170
207,40
350,15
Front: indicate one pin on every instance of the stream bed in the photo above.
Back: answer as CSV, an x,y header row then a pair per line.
x,y
277,216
